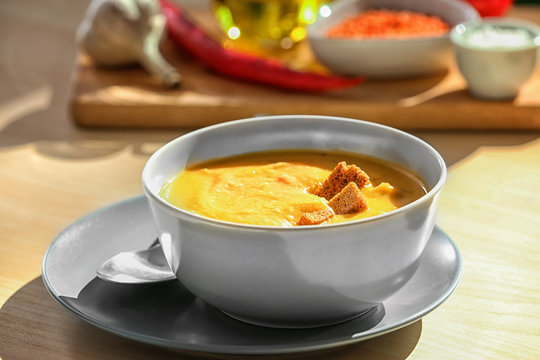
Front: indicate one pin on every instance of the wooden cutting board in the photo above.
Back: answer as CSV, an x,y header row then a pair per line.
x,y
129,97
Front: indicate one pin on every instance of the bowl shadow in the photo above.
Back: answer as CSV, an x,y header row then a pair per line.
x,y
35,326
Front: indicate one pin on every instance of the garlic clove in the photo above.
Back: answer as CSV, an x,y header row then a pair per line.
x,y
151,57
124,32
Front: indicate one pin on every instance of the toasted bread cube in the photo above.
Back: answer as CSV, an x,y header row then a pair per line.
x,y
342,175
316,217
348,200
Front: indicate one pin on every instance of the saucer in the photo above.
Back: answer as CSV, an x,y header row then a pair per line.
x,y
166,314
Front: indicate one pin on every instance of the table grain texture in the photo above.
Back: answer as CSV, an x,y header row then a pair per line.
x,y
53,172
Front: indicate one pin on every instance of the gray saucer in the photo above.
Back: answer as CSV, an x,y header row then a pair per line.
x,y
166,314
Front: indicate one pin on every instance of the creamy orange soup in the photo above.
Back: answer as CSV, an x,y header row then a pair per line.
x,y
274,188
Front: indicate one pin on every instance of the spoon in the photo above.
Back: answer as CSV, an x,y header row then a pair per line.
x,y
137,267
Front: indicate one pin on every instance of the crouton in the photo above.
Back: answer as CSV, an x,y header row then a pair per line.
x,y
316,217
349,199
342,175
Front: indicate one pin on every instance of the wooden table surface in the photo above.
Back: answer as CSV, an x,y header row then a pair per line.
x,y
52,173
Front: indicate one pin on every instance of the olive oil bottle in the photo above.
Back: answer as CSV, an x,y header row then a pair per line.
x,y
265,23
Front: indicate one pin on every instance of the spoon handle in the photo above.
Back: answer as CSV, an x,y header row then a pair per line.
x,y
137,267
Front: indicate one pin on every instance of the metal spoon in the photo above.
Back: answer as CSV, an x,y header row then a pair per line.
x,y
137,267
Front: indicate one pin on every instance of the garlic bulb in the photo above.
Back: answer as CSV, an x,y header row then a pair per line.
x,y
123,32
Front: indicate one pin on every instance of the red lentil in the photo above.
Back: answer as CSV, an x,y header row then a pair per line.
x,y
383,23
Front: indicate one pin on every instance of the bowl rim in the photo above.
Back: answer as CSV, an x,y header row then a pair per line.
x,y
179,211
465,8
456,34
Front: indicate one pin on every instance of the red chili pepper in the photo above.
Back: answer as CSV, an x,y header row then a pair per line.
x,y
244,66
491,7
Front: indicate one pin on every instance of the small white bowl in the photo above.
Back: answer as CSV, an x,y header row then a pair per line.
x,y
304,275
385,58
496,56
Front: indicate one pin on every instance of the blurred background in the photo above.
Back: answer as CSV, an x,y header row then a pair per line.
x,y
38,53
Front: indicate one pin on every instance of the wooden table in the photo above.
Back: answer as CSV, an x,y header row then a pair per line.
x,y
52,172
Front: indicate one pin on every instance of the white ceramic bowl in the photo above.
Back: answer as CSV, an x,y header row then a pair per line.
x,y
298,276
496,65
387,58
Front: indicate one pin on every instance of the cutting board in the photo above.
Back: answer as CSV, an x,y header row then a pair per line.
x,y
130,97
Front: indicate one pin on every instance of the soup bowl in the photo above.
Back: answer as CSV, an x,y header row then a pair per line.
x,y
299,276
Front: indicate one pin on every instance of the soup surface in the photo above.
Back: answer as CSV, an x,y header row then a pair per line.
x,y
278,187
